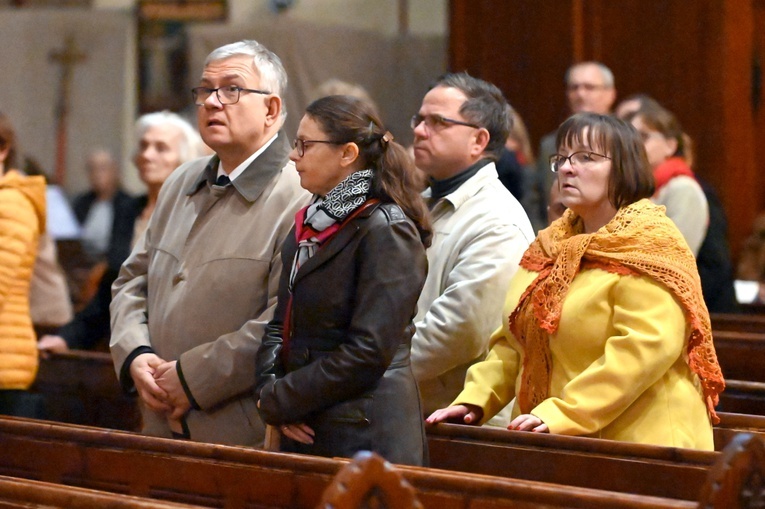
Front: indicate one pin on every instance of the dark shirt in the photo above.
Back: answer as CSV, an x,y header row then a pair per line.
x,y
441,188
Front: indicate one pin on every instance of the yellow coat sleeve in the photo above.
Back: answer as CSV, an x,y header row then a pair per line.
x,y
490,384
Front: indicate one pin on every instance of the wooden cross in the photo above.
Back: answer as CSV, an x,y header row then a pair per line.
x,y
67,58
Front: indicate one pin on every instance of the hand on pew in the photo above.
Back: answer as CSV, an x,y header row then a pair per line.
x,y
299,432
51,344
456,414
142,371
528,422
167,379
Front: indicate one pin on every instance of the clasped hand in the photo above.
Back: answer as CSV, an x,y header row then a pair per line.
x,y
159,386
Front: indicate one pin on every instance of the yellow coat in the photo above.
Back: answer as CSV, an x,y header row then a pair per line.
x,y
618,365
22,218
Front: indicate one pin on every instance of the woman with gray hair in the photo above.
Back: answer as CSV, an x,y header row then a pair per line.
x,y
164,141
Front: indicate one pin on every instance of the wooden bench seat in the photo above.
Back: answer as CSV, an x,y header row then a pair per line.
x,y
80,387
25,493
741,355
215,475
738,322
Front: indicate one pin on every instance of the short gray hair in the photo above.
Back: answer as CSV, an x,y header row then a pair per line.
x,y
273,77
605,72
190,141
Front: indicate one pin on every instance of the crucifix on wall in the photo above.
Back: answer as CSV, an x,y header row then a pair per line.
x,y
67,58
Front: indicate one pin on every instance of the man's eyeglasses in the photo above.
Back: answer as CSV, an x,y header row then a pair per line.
x,y
226,95
587,87
577,159
300,145
436,122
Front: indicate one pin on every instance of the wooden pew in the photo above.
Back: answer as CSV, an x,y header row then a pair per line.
x,y
737,322
741,355
25,493
742,397
732,424
81,387
215,475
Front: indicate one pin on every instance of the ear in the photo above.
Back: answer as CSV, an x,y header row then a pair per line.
x,y
671,146
274,113
4,154
350,154
480,141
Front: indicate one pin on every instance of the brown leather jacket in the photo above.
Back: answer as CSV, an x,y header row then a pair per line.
x,y
347,373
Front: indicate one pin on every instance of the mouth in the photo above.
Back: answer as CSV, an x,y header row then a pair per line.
x,y
214,122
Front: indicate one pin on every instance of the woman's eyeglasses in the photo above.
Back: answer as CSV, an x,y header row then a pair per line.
x,y
577,159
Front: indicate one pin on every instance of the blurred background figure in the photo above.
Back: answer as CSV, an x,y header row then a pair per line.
x,y
589,87
692,204
50,303
515,164
555,206
335,86
22,220
165,141
631,104
99,208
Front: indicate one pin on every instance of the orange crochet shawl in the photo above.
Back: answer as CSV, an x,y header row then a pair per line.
x,y
639,240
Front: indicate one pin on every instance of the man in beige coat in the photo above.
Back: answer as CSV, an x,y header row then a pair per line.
x,y
192,300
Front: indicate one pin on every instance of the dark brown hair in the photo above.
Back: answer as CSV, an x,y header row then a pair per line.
x,y
347,119
631,176
659,119
8,141
485,106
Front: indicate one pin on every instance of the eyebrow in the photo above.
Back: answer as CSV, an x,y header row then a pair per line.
x,y
225,77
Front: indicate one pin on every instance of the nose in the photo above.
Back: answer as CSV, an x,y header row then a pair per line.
x,y
293,155
213,101
566,166
420,131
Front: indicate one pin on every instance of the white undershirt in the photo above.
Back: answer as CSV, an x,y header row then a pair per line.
x,y
239,169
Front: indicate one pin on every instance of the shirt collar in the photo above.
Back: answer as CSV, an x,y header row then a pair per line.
x,y
252,175
468,188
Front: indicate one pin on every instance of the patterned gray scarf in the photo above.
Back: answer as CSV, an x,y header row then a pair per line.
x,y
325,212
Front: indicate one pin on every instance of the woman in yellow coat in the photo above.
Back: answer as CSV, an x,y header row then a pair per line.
x,y
22,218
605,332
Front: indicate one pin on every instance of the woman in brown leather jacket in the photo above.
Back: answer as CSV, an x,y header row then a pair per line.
x,y
333,369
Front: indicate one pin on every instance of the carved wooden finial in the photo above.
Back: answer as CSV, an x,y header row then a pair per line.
x,y
369,481
737,478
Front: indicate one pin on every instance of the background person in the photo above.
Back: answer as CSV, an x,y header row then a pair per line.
x,y
605,333
590,87
165,141
100,209
691,203
22,221
333,368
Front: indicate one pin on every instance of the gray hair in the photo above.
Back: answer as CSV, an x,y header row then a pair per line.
x,y
485,106
605,72
190,141
273,77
